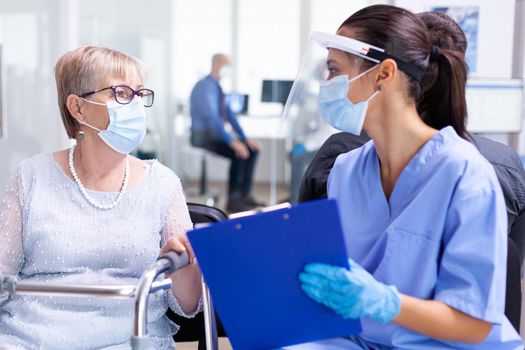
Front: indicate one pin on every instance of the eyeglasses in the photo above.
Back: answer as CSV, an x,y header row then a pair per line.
x,y
123,94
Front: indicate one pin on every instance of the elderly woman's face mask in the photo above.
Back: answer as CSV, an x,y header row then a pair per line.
x,y
127,125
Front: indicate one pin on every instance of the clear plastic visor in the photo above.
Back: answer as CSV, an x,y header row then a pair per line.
x,y
325,57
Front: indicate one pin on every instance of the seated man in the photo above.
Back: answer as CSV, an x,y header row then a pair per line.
x,y
209,113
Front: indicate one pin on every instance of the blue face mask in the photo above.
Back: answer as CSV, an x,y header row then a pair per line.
x,y
127,125
335,107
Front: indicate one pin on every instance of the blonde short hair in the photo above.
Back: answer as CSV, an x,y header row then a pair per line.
x,y
84,69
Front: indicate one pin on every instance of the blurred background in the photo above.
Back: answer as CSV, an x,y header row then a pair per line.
x,y
265,40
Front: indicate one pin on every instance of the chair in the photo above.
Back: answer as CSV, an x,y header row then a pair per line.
x,y
513,285
193,329
211,198
513,297
201,213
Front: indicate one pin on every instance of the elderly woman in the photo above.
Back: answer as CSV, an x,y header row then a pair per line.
x,y
93,214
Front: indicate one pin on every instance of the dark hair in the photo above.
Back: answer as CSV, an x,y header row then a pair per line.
x,y
404,36
444,33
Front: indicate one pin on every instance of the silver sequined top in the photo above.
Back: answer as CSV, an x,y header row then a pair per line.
x,y
50,233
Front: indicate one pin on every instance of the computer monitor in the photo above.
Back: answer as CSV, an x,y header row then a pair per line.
x,y
276,90
238,103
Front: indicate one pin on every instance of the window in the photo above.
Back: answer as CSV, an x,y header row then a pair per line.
x,y
268,48
327,15
201,28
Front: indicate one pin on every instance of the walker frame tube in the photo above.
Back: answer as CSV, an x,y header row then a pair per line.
x,y
147,285
140,340
210,326
123,291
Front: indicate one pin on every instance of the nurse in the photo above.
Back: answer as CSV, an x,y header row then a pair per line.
x,y
423,214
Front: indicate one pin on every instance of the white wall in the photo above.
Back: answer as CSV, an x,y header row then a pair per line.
x,y
141,29
495,39
33,123
518,141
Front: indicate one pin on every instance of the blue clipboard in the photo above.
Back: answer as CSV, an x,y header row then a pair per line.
x,y
251,265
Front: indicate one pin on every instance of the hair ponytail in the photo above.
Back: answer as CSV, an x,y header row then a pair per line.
x,y
440,94
443,102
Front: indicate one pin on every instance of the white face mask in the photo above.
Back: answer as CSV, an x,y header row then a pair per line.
x,y
335,107
225,72
127,125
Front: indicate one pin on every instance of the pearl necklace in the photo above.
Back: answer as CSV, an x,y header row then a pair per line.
x,y
83,189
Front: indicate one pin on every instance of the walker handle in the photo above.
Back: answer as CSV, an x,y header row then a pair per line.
x,y
177,261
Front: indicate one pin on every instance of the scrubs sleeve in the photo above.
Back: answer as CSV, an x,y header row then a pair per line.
x,y
472,270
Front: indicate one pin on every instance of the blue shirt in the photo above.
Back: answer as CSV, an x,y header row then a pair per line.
x,y
209,112
441,235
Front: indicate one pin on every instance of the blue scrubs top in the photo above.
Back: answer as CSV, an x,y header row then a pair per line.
x,y
442,235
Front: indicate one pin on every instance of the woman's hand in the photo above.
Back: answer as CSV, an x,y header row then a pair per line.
x,y
179,244
351,293
187,281
355,293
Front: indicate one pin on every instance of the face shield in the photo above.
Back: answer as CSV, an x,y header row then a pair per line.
x,y
326,56
330,63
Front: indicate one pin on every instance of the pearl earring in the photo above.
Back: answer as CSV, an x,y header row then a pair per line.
x,y
81,135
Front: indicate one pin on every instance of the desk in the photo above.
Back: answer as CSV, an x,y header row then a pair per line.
x,y
274,129
264,127
255,127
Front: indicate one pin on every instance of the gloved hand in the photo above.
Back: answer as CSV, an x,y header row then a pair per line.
x,y
351,294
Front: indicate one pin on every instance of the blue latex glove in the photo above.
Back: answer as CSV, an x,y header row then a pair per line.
x,y
352,294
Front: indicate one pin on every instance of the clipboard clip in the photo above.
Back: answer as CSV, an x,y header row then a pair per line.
x,y
260,210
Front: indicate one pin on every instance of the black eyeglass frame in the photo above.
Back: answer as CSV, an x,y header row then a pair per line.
x,y
114,87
